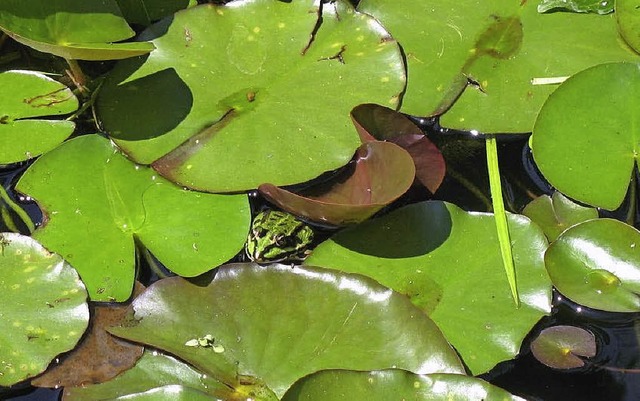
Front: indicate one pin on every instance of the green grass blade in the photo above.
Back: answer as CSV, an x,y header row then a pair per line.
x,y
501,216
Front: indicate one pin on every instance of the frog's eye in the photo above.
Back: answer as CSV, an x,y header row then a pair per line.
x,y
283,241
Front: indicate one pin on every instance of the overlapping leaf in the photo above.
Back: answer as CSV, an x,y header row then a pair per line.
x,y
251,92
448,262
98,203
556,213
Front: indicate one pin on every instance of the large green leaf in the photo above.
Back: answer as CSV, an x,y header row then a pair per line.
x,y
97,202
448,262
275,324
503,46
597,264
154,374
28,94
250,92
340,385
586,139
145,12
43,308
628,16
83,30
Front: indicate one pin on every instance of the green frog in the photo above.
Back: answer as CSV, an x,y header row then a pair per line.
x,y
276,236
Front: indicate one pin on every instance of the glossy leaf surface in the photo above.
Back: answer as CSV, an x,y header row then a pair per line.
x,y
27,95
449,264
83,30
158,375
562,347
556,213
381,173
592,160
337,385
597,264
276,324
488,57
579,6
42,305
94,226
382,123
232,93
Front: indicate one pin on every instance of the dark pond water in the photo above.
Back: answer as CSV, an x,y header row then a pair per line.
x,y
610,376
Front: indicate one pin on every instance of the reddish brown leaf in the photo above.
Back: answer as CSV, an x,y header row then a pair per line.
x,y
383,172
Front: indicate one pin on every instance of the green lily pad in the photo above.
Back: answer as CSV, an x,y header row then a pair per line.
x,y
579,6
83,30
144,12
561,347
556,213
275,324
449,264
597,264
250,92
28,94
154,374
43,308
339,385
628,16
97,203
483,60
593,159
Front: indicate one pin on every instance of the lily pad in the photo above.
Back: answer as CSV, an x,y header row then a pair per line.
x,y
556,213
144,12
628,16
338,385
597,264
579,6
382,173
603,128
261,92
276,324
26,96
382,123
449,264
97,203
155,375
44,309
98,357
483,60
561,347
82,30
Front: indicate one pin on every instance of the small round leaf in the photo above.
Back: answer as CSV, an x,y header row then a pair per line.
x,y
561,347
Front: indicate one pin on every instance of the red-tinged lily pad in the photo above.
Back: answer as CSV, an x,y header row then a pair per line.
x,y
42,304
262,328
382,172
27,95
99,357
597,264
83,30
564,347
157,377
393,384
373,121
98,205
556,213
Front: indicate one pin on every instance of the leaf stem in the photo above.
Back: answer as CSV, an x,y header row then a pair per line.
x,y
22,214
76,74
500,216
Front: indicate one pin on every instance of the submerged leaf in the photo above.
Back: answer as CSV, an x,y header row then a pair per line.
x,y
42,305
278,324
561,347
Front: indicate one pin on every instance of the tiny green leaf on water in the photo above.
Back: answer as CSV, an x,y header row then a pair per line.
x,y
579,6
597,264
43,308
556,213
562,347
27,97
592,161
